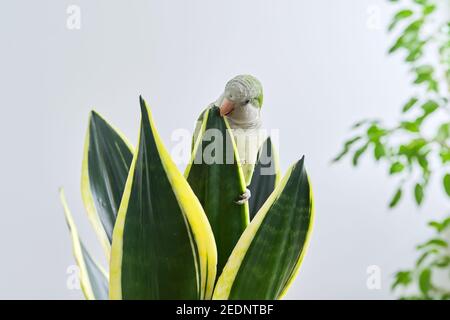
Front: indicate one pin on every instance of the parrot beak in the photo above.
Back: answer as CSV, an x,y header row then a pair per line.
x,y
227,107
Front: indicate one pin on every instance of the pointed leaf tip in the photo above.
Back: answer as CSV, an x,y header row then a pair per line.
x,y
106,160
141,100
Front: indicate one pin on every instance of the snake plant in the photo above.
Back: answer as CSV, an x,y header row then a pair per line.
x,y
172,236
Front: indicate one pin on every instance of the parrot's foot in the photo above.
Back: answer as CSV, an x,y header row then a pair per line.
x,y
243,198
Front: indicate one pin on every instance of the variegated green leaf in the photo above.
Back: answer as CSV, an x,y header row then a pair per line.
x,y
93,279
216,177
269,253
163,246
265,177
106,161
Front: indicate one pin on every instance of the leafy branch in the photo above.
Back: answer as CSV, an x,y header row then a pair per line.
x,y
417,147
422,135
434,257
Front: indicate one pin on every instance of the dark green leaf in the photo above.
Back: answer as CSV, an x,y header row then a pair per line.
x,y
163,246
218,183
269,253
107,159
264,177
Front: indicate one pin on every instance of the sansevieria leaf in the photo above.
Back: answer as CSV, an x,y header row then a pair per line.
x,y
93,279
163,246
270,251
106,161
266,175
216,177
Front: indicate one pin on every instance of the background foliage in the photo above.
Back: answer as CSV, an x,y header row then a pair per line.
x,y
416,149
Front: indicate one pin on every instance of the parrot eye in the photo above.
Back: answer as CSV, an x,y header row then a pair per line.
x,y
247,101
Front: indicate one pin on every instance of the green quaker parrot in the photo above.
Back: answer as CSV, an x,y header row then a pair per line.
x,y
241,104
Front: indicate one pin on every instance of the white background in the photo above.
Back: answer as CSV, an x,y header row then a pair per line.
x,y
323,65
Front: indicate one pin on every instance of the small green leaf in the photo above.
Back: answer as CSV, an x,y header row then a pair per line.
x,y
436,225
421,2
442,262
430,106
429,8
396,198
415,54
410,126
379,151
443,132
440,226
436,242
425,281
424,73
445,296
396,167
446,182
359,123
346,148
400,15
358,154
423,161
418,193
411,102
425,255
374,132
398,44
444,154
402,278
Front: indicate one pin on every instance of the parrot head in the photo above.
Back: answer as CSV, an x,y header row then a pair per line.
x,y
242,99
